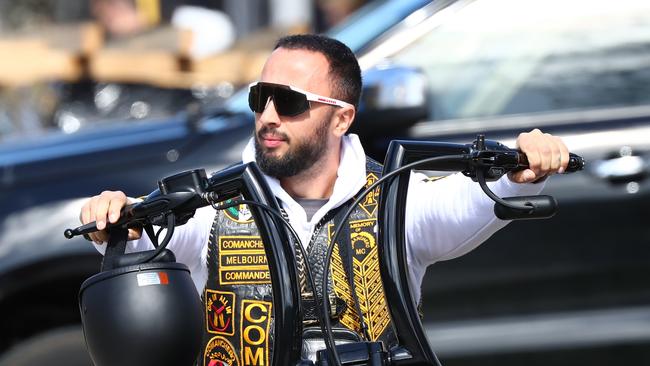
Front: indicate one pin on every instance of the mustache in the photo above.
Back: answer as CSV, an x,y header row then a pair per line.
x,y
268,131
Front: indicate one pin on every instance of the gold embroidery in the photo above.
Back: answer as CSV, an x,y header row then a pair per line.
x,y
242,260
220,349
372,198
219,312
433,178
367,278
254,332
349,318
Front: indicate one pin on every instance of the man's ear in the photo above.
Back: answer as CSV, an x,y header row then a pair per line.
x,y
343,119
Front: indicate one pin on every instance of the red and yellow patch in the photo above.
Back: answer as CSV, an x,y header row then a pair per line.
x,y
219,312
219,352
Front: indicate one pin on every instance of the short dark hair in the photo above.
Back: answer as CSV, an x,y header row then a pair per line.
x,y
343,65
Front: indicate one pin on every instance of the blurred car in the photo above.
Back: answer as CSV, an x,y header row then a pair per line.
x,y
566,290
571,289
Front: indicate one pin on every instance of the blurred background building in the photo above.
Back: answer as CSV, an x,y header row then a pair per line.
x,y
69,63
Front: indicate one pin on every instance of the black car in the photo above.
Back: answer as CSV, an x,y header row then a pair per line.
x,y
567,290
571,289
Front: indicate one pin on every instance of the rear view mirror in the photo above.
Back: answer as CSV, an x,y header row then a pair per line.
x,y
393,98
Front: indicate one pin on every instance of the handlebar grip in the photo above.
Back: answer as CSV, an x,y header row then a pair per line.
x,y
91,227
576,162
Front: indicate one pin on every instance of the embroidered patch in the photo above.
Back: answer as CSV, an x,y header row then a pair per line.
x,y
242,261
367,279
369,205
433,178
219,312
254,332
240,214
220,352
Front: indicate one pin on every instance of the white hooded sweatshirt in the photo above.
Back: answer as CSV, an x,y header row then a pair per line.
x,y
445,218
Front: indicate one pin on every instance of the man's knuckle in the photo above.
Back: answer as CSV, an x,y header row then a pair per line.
x,y
545,150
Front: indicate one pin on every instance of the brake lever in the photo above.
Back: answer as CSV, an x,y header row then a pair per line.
x,y
495,159
490,160
91,227
149,211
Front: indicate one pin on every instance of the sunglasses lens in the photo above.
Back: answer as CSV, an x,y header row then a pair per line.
x,y
257,97
287,102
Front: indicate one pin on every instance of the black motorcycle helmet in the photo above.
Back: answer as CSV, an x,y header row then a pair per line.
x,y
139,315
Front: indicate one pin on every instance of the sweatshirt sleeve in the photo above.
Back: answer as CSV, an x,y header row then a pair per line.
x,y
449,217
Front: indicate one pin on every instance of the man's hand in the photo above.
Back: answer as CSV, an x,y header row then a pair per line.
x,y
546,154
105,208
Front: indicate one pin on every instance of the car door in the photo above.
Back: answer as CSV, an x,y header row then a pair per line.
x,y
122,155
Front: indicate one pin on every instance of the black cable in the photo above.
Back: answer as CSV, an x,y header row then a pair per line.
x,y
325,308
171,224
158,236
480,177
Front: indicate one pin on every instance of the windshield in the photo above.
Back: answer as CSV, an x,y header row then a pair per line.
x,y
518,56
356,32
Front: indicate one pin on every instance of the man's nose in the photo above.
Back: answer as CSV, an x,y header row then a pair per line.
x,y
269,115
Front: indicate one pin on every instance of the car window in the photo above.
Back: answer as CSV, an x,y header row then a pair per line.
x,y
372,20
496,57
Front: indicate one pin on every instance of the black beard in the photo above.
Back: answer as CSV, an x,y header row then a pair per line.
x,y
300,157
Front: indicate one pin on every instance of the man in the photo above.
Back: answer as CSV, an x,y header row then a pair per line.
x,y
304,104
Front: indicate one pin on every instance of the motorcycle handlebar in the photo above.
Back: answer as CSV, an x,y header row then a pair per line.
x,y
575,164
193,185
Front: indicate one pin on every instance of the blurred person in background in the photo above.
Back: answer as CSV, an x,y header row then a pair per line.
x,y
25,110
127,20
212,29
38,107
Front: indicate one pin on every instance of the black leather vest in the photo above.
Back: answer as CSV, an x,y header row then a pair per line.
x,y
238,298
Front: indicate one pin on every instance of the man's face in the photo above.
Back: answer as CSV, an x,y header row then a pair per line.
x,y
286,146
301,152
